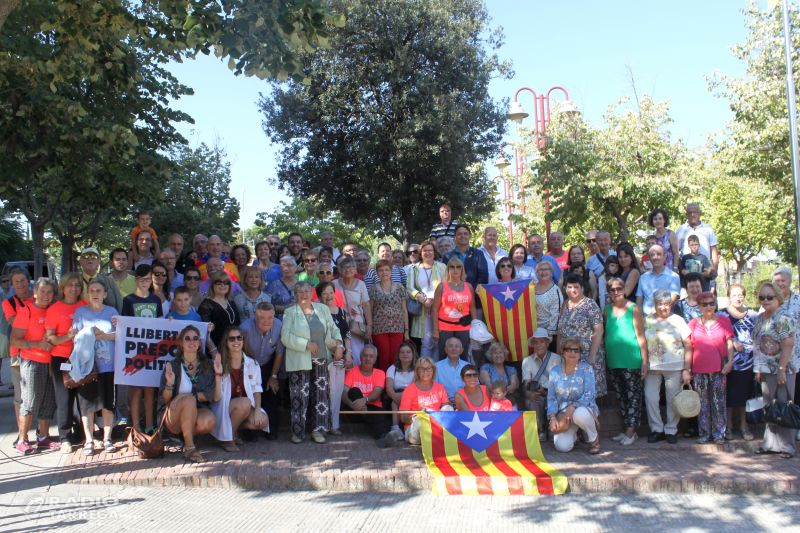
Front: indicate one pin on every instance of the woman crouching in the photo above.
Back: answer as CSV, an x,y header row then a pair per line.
x,y
189,383
239,405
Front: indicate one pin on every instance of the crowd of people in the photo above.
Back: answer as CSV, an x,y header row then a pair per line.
x,y
309,329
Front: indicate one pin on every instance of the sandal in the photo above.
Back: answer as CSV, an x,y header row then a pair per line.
x,y
748,435
229,446
594,447
785,455
191,454
762,451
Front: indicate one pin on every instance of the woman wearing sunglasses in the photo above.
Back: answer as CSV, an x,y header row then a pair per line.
x,y
712,341
571,399
473,396
454,306
239,404
773,342
217,308
189,383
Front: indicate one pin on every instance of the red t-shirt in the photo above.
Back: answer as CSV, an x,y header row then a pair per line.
x,y
59,318
32,319
563,261
709,346
367,384
11,312
414,399
501,405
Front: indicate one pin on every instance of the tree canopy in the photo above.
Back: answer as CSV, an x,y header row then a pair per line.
x,y
397,115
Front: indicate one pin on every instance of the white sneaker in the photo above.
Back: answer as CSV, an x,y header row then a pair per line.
x,y
627,441
619,437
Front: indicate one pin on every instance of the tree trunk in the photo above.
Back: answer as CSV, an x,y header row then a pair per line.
x,y
37,236
6,8
622,222
68,263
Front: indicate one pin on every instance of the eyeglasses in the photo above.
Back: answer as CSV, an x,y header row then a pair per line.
x,y
160,274
145,279
573,350
591,240
274,244
706,304
506,265
471,375
310,260
191,339
191,278
90,256
765,298
235,338
325,272
426,369
616,289
412,252
455,267
220,282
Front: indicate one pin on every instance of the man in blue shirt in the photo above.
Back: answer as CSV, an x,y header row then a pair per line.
x,y
659,277
262,342
475,266
597,262
448,370
536,255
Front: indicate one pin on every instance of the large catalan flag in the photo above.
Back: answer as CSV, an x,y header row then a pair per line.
x,y
509,310
487,452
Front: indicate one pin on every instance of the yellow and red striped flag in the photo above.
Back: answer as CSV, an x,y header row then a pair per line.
x,y
509,310
486,452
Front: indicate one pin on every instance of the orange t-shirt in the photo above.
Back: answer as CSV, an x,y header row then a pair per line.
x,y
59,318
367,384
414,399
135,233
501,405
32,320
11,312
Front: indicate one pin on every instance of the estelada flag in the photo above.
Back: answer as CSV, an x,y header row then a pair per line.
x,y
487,452
509,310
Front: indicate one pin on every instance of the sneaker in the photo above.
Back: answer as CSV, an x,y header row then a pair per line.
x,y
703,440
47,443
672,439
627,441
318,437
656,436
88,449
335,431
109,446
618,437
66,448
296,439
397,434
25,448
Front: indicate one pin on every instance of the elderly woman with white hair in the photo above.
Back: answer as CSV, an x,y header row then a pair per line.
x,y
782,279
281,291
669,359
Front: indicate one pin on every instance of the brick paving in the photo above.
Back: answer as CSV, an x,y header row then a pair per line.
x,y
352,463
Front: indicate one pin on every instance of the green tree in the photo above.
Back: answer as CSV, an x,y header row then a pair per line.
x,y
197,196
396,117
13,245
759,132
612,176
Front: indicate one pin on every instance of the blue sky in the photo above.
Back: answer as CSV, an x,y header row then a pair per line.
x,y
588,47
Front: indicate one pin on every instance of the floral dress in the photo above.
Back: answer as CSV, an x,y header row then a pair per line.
x,y
387,308
580,322
768,333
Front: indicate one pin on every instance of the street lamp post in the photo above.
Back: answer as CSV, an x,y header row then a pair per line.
x,y
541,119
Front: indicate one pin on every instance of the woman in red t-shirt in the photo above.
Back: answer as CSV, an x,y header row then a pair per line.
x,y
422,395
454,306
473,396
712,341
38,398
59,333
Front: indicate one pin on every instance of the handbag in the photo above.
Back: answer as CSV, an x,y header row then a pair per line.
x,y
70,383
783,413
413,307
754,410
148,446
687,402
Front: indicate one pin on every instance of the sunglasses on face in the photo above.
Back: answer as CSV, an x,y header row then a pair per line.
x,y
220,282
591,240
160,274
325,272
235,338
455,267
506,265
412,252
90,256
572,350
765,298
471,375
615,289
191,339
706,304
191,278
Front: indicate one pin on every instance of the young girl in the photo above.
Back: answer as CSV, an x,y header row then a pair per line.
x,y
499,401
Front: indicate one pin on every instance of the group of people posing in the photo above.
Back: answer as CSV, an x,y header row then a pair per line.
x,y
314,330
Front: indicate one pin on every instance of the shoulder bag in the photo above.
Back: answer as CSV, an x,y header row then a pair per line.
x,y
783,413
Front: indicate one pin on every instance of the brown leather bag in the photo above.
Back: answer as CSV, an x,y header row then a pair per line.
x,y
72,384
148,446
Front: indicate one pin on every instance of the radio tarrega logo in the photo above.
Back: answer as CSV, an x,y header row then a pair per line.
x,y
71,508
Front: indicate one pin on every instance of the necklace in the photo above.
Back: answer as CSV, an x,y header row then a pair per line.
x,y
428,270
229,312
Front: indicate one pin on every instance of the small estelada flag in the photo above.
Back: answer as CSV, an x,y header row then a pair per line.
x,y
472,452
509,310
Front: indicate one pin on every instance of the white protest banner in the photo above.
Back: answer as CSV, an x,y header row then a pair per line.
x,y
144,345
